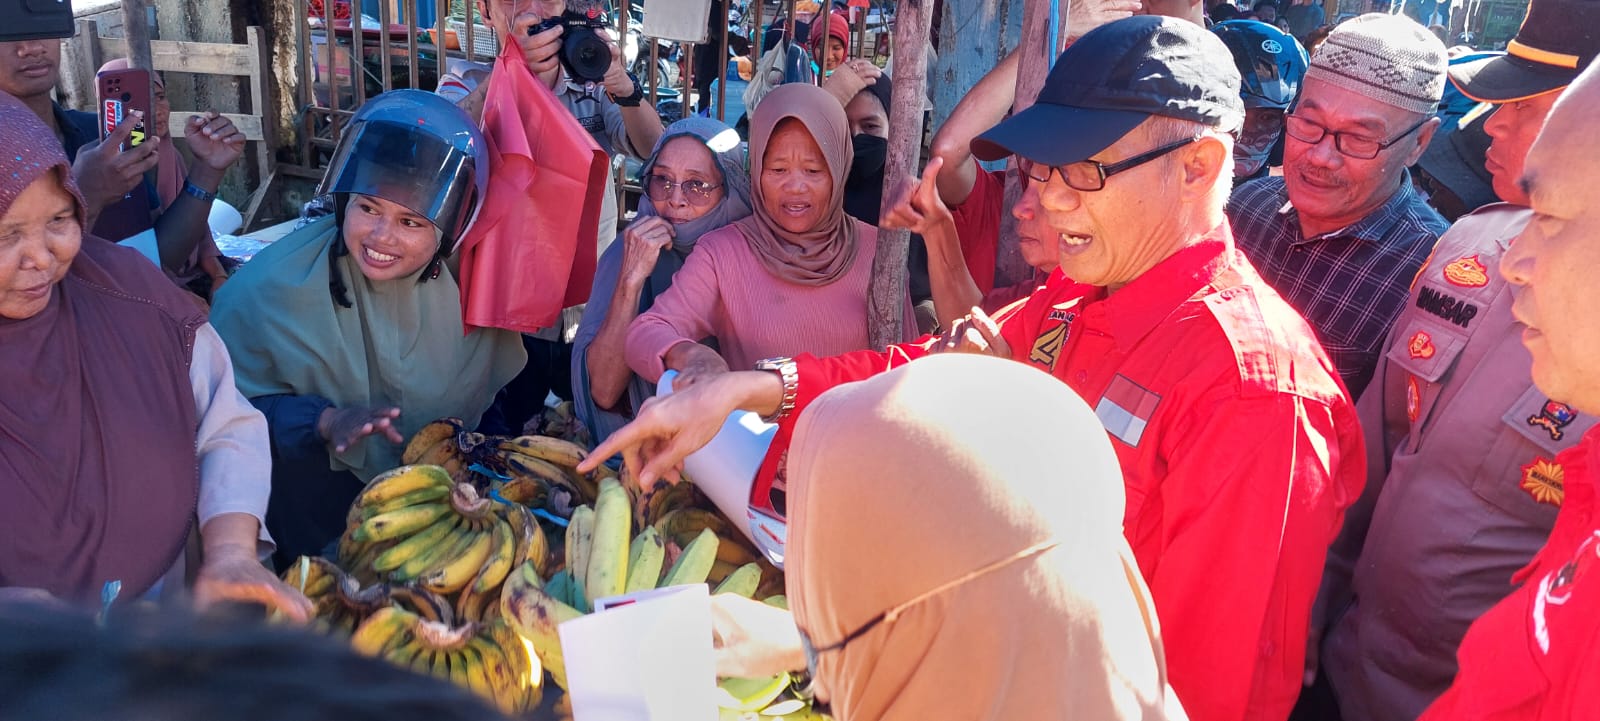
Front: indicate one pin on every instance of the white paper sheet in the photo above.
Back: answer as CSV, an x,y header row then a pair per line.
x,y
650,660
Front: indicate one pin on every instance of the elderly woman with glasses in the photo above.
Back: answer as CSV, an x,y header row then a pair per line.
x,y
792,278
695,182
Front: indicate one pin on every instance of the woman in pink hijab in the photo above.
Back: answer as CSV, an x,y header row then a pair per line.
x,y
794,277
957,557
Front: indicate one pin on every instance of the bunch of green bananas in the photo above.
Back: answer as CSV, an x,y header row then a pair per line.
x,y
602,561
415,525
487,658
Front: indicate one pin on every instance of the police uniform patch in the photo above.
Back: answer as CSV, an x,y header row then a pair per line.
x,y
1467,272
1413,398
1553,417
1443,305
1543,480
1421,346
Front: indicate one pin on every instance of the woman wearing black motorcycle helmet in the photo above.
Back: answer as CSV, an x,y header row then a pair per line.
x,y
347,333
1271,63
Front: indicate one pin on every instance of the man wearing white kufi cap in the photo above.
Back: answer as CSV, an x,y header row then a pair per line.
x,y
1342,233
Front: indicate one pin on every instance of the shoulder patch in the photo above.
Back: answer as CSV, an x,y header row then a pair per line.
x,y
1467,272
1274,349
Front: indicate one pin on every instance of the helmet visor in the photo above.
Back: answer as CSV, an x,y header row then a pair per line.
x,y
409,166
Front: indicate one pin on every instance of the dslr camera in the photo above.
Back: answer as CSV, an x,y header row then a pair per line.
x,y
584,52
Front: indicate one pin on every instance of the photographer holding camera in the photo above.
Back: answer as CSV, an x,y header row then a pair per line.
x,y
585,70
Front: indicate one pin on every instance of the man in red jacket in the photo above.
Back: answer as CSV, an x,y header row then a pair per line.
x,y
1536,655
1239,447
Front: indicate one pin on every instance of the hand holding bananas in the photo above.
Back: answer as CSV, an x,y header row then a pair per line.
x,y
230,570
343,427
668,429
754,639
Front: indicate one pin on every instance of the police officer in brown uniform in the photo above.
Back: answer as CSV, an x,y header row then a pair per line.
x,y
1463,485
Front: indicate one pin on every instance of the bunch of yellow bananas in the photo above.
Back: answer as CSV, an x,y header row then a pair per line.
x,y
414,525
340,603
486,657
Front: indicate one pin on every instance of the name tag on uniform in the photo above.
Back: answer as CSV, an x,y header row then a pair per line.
x,y
1125,409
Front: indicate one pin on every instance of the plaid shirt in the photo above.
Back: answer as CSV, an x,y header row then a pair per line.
x,y
1350,284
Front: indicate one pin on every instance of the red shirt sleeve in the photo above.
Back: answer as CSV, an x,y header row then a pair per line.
x,y
817,375
1239,544
978,226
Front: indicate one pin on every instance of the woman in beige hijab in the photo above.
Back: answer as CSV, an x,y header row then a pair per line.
x,y
957,557
794,277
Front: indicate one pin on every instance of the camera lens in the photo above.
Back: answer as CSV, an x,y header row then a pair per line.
x,y
588,56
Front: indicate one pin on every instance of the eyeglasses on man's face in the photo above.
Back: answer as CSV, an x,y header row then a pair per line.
x,y
1090,175
1362,148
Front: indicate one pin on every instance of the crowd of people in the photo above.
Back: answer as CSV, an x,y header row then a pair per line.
x,y
1291,420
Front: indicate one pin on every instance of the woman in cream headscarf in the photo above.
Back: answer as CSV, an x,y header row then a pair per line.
x,y
794,277
695,182
347,333
996,583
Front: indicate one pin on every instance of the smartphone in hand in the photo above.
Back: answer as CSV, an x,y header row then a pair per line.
x,y
121,92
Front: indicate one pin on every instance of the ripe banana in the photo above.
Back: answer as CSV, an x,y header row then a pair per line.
x,y
381,629
532,544
453,574
508,690
477,674
607,572
555,450
424,540
564,588
429,436
580,539
457,536
427,605
534,615
695,562
401,481
524,661
742,582
524,490
502,556
415,498
645,559
403,522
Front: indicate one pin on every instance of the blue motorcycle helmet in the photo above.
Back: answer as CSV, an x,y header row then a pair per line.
x,y
418,150
1271,66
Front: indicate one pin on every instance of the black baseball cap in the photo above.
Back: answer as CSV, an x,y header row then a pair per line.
x,y
1558,39
1111,80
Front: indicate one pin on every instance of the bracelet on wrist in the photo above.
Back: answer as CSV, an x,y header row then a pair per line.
x,y
196,191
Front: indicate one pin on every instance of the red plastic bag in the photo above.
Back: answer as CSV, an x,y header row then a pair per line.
x,y
532,250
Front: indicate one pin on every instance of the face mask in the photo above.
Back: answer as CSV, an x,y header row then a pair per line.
x,y
1260,133
871,153
1248,158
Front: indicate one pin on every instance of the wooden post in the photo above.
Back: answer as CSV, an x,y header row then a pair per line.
x,y
1033,66
886,307
136,28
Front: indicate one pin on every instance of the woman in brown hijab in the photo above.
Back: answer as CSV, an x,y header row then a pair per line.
x,y
792,278
125,450
958,558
